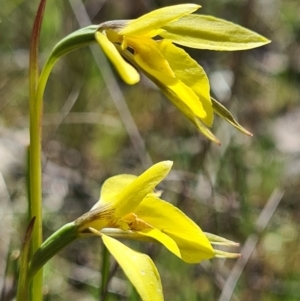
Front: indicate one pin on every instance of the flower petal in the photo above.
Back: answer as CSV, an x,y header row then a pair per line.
x,y
112,187
139,269
207,32
149,58
126,71
192,242
184,106
130,196
206,132
149,24
163,238
148,55
191,74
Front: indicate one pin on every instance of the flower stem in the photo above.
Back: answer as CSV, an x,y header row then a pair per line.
x,y
104,273
35,191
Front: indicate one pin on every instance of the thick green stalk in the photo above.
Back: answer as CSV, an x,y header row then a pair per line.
x,y
35,169
37,86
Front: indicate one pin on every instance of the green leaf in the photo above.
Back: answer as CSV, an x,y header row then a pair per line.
x,y
23,284
139,269
52,245
207,32
226,115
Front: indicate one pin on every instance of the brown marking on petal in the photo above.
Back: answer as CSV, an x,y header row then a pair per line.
x,y
102,213
115,25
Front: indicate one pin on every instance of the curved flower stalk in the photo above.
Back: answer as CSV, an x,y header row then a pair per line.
x,y
130,208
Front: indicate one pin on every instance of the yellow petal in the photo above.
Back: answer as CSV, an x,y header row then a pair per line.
x,y
206,132
150,59
148,55
207,32
163,238
176,95
192,242
183,97
139,269
126,71
149,24
129,197
191,74
112,187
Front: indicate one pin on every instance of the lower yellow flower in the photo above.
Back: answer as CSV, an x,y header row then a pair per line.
x,y
131,208
129,203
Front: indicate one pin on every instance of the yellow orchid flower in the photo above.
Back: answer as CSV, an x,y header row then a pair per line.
x,y
130,208
147,44
129,204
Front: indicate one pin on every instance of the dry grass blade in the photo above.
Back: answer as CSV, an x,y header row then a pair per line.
x,y
113,89
250,244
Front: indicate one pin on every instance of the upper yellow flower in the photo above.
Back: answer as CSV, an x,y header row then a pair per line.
x,y
147,43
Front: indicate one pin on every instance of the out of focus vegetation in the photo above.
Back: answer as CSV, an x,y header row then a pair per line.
x,y
89,135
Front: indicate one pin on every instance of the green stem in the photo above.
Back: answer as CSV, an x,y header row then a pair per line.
x,y
104,273
78,39
37,86
35,108
52,245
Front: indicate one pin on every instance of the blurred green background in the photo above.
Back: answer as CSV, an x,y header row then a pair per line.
x,y
95,126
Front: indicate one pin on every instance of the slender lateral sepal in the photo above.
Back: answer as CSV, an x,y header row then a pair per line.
x,y
223,254
221,241
226,115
